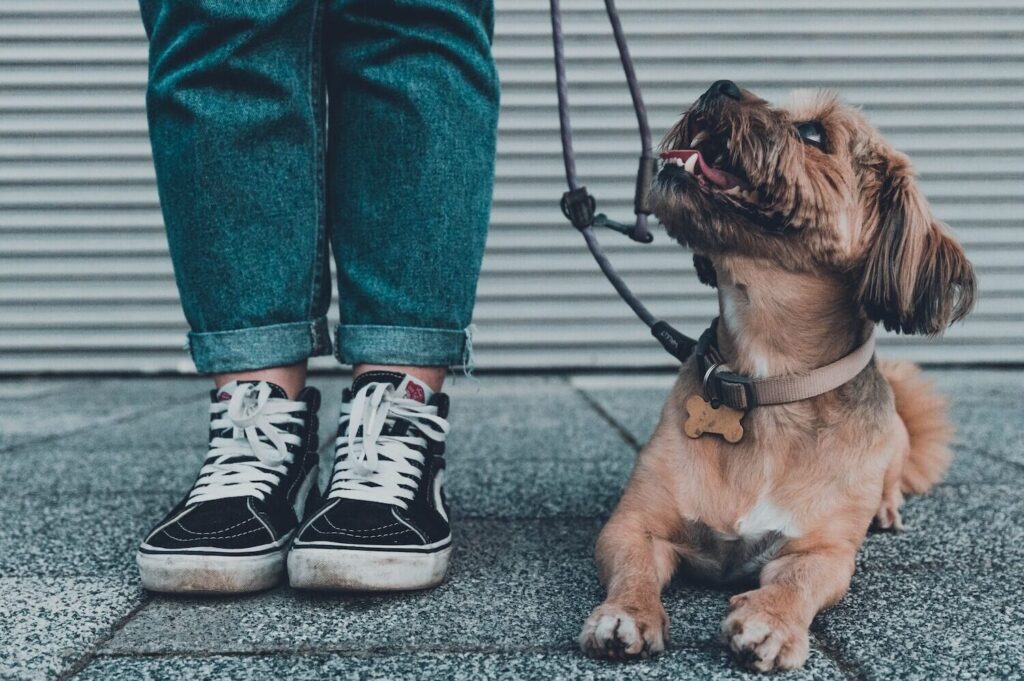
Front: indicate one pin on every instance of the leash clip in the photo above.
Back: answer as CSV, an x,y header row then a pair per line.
x,y
602,220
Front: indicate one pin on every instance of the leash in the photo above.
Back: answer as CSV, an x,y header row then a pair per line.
x,y
725,396
579,205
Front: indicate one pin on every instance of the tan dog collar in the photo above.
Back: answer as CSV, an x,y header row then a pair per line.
x,y
723,386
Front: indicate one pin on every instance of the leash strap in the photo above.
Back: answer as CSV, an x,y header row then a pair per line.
x,y
723,386
579,206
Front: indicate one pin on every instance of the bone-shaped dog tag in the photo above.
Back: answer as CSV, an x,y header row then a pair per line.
x,y
704,418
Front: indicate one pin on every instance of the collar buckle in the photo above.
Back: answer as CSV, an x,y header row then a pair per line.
x,y
722,386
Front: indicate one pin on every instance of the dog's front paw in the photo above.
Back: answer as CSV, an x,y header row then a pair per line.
x,y
763,641
615,632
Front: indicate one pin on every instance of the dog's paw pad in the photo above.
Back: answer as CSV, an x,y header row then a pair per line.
x,y
763,643
613,633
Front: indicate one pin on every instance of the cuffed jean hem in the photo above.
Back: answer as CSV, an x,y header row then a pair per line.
x,y
409,345
261,347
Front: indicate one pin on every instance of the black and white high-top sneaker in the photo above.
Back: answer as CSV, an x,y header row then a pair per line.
x,y
384,523
231,532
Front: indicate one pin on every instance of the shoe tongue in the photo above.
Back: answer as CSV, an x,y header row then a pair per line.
x,y
407,386
226,391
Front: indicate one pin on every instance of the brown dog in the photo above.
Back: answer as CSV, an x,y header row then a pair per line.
x,y
815,230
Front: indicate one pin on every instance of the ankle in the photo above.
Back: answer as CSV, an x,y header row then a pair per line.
x,y
291,378
432,376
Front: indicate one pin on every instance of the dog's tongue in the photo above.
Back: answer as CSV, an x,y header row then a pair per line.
x,y
719,178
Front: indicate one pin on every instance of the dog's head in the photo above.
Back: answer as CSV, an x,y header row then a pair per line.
x,y
811,186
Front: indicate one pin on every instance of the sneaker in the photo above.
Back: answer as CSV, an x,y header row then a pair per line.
x,y
231,532
384,523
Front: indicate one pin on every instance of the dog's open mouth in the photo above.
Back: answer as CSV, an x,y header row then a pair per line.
x,y
716,174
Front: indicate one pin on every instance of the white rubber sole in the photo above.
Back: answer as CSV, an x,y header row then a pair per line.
x,y
205,574
334,569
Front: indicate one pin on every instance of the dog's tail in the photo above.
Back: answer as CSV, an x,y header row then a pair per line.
x,y
924,413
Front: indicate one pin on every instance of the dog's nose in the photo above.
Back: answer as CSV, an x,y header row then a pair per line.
x,y
724,87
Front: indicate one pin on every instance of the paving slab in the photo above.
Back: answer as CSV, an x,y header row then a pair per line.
x,y
49,409
942,624
534,470
161,454
956,528
48,623
634,403
991,428
710,664
77,535
538,453
160,449
512,585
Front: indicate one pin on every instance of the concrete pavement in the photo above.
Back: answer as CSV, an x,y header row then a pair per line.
x,y
536,464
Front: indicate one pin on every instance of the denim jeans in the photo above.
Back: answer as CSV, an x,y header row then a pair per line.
x,y
284,128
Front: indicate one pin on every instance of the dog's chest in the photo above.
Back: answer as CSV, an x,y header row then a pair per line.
x,y
740,550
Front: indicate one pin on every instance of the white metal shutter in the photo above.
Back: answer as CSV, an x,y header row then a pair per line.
x,y
85,282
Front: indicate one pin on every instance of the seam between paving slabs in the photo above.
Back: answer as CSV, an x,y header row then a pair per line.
x,y
850,669
605,416
90,654
391,651
847,667
103,422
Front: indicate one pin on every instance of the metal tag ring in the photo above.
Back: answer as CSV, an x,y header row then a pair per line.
x,y
704,383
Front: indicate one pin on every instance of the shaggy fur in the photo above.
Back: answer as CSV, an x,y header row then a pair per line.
x,y
789,505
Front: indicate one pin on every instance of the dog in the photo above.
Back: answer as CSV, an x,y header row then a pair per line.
x,y
813,229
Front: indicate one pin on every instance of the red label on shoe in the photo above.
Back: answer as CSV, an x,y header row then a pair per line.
x,y
415,392
224,397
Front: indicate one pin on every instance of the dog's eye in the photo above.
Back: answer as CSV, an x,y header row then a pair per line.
x,y
811,133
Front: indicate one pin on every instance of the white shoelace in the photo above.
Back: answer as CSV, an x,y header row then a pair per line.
x,y
371,466
250,414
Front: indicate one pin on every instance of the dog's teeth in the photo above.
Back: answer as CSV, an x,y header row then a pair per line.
x,y
676,161
698,138
734,191
690,164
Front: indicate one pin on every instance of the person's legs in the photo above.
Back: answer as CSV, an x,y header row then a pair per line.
x,y
413,115
235,108
413,119
235,113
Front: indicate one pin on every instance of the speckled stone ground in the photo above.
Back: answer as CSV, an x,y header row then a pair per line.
x,y
537,463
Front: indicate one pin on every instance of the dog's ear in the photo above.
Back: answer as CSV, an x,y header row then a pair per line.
x,y
916,276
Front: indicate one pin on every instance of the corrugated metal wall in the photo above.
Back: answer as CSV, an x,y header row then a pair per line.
x,y
85,283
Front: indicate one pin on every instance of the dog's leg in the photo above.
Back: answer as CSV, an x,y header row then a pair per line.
x,y
887,517
767,628
634,565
